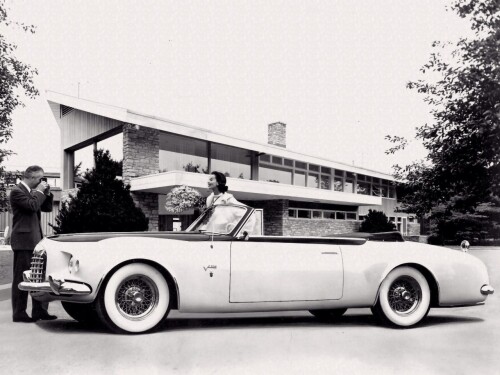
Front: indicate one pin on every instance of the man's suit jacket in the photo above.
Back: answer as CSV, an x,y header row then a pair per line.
x,y
27,207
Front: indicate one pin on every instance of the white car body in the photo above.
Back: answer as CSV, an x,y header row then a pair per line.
x,y
237,272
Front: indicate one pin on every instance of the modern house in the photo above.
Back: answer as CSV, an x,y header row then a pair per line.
x,y
298,194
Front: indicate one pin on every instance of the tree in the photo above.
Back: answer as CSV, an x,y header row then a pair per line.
x,y
376,221
102,204
16,78
462,168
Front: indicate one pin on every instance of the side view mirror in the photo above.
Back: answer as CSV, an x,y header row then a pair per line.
x,y
464,245
244,236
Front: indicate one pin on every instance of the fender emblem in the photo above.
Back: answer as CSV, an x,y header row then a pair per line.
x,y
213,267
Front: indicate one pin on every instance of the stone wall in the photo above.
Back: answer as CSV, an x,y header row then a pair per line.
x,y
319,227
141,151
276,134
141,156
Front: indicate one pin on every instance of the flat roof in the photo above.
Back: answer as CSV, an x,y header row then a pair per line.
x,y
141,119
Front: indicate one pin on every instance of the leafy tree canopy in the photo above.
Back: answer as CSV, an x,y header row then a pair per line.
x,y
102,204
16,78
376,221
462,169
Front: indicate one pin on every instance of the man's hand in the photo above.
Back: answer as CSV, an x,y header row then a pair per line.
x,y
42,187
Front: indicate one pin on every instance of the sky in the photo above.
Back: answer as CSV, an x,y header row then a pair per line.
x,y
334,71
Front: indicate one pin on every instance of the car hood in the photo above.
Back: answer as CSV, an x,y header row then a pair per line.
x,y
96,237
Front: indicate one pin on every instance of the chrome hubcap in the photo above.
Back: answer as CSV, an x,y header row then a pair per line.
x,y
136,297
404,295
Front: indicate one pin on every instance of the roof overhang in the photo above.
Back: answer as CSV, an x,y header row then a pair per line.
x,y
133,117
162,183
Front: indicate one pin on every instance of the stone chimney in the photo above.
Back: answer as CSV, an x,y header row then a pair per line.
x,y
276,134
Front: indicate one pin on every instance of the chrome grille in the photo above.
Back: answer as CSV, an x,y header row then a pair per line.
x,y
38,268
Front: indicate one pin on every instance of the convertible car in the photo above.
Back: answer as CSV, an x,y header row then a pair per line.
x,y
222,263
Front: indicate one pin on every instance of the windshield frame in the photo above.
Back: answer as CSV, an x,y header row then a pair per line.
x,y
237,227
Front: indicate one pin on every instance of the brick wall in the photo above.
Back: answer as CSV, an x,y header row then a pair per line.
x,y
141,156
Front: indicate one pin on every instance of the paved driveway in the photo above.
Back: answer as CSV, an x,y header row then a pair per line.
x,y
451,341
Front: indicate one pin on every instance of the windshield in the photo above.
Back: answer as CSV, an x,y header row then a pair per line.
x,y
219,219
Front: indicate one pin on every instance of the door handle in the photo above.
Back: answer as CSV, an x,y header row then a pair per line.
x,y
329,252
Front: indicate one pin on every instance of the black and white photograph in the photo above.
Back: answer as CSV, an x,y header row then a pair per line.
x,y
250,187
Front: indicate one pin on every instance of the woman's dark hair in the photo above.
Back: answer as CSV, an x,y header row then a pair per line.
x,y
221,181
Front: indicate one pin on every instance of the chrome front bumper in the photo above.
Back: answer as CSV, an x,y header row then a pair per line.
x,y
487,289
53,286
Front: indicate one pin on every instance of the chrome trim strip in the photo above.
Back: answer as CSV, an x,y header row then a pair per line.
x,y
65,287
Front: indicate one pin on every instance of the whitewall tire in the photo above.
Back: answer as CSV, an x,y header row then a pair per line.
x,y
135,299
404,298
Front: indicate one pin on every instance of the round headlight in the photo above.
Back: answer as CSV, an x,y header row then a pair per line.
x,y
74,265
465,246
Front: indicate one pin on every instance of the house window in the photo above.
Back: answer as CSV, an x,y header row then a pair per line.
x,y
325,182
231,161
363,188
178,153
275,174
338,184
312,180
299,178
348,186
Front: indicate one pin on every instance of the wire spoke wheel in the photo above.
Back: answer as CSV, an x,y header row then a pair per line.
x,y
136,297
404,295
404,298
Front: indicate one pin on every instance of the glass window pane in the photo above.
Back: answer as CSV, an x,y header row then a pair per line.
x,y
329,215
338,184
351,215
340,215
114,145
288,162
277,160
301,165
292,213
231,161
86,157
392,192
272,174
349,174
317,215
361,177
299,178
265,158
312,180
349,186
385,191
376,190
326,170
376,180
363,188
179,153
313,167
304,214
325,182
339,173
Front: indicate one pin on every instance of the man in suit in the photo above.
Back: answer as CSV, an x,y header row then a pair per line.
x,y
27,200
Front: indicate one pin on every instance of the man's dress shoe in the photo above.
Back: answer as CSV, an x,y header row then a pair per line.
x,y
45,316
23,319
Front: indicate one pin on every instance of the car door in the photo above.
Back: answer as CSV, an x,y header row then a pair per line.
x,y
280,270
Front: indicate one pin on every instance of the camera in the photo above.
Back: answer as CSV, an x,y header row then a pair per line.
x,y
43,179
